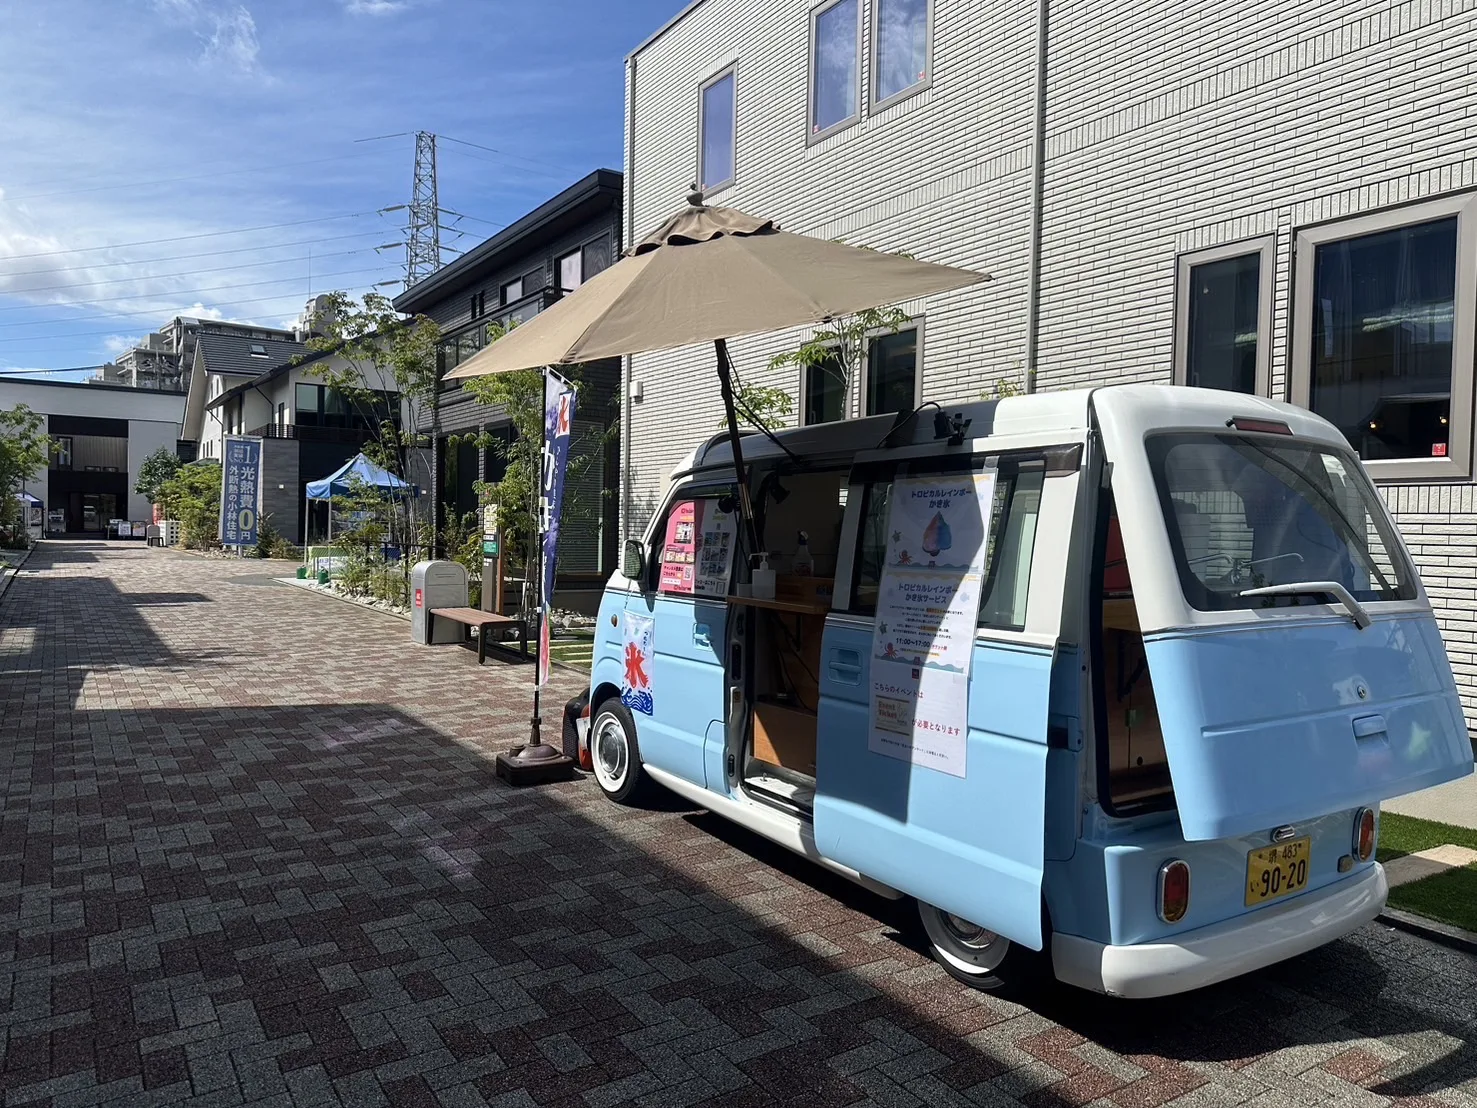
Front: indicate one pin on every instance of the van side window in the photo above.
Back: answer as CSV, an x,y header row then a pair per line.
x,y
721,496
1012,540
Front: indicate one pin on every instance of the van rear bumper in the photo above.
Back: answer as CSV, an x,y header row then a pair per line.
x,y
1222,950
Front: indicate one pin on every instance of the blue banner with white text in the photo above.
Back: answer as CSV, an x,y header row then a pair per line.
x,y
558,416
241,490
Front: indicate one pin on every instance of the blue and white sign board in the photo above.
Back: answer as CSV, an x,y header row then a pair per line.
x,y
241,490
929,598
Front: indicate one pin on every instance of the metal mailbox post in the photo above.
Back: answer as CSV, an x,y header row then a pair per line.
x,y
436,584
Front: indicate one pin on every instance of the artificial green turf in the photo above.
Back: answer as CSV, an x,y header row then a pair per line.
x,y
1450,897
1406,834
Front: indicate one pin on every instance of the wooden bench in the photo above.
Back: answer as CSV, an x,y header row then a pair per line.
x,y
475,617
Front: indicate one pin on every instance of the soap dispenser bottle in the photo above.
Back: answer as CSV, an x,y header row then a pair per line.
x,y
803,564
763,579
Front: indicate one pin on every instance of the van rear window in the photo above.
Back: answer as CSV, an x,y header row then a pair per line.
x,y
1249,511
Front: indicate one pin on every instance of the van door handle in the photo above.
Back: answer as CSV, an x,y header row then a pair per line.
x,y
846,667
700,636
1369,727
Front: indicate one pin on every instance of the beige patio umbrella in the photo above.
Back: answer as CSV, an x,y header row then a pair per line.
x,y
707,275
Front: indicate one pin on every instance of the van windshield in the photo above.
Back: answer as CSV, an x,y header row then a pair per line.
x,y
1245,512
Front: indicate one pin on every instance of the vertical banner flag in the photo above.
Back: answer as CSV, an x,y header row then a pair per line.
x,y
558,415
927,606
241,490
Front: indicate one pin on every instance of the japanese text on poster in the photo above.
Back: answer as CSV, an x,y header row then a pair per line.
x,y
638,651
558,418
928,603
697,557
241,490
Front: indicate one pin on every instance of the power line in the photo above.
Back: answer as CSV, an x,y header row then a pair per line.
x,y
191,292
189,238
200,254
183,273
504,154
190,177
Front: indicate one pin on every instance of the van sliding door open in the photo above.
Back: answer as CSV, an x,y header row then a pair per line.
x,y
1297,669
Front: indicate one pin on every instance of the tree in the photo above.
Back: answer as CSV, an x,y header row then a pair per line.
x,y
375,350
840,348
154,470
521,396
23,451
764,406
193,496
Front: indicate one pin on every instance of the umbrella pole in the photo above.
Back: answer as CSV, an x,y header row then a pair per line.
x,y
725,383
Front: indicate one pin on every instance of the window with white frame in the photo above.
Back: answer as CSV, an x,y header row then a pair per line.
x,y
835,66
1383,334
892,372
571,271
901,44
717,127
1223,317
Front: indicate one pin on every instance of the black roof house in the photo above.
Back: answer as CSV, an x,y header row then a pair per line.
x,y
512,276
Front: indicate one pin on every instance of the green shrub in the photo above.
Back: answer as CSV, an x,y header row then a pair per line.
x,y
354,575
193,497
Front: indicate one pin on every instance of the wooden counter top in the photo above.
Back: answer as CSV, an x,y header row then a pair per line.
x,y
797,607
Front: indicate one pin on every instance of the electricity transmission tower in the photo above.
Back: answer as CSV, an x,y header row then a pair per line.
x,y
423,242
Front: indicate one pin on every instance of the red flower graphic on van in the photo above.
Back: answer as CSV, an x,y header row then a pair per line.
x,y
635,668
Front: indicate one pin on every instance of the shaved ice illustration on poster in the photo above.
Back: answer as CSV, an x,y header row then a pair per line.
x,y
939,524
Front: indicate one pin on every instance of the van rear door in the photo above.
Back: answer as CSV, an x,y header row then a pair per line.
x,y
1295,660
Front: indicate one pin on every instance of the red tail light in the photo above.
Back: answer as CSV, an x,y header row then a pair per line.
x,y
1174,890
1364,834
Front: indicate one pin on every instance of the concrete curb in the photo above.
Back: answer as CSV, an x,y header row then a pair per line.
x,y
308,586
1430,929
12,572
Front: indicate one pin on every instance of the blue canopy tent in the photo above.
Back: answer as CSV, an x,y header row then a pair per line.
x,y
357,473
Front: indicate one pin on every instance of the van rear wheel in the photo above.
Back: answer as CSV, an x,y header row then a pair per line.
x,y
615,756
975,955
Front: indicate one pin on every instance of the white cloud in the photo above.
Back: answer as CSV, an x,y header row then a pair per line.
x,y
375,7
227,32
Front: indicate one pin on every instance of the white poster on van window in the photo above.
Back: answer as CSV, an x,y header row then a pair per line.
x,y
927,606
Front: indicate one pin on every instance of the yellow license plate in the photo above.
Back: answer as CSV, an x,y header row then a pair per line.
x,y
1277,870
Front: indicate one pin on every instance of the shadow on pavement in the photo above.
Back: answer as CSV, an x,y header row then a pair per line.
x,y
338,900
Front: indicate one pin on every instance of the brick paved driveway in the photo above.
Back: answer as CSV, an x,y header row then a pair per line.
x,y
253,851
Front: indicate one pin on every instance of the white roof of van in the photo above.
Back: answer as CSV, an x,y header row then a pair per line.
x,y
1065,411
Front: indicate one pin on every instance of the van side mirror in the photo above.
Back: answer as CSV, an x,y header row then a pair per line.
x,y
633,559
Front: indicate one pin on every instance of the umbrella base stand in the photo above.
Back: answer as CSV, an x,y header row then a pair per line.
x,y
534,764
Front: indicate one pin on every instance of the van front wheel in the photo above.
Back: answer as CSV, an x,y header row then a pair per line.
x,y
614,755
973,954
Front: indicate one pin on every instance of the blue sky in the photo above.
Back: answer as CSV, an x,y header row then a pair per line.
x,y
134,131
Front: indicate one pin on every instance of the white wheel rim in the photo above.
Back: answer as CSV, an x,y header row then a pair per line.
x,y
967,947
610,753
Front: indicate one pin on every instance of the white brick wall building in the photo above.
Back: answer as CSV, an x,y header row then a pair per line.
x,y
1167,130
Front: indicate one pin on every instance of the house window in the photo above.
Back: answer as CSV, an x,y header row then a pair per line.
x,y
308,400
258,350
717,125
825,391
282,414
892,372
512,291
595,257
902,30
1223,314
835,70
571,272
1383,339
61,451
